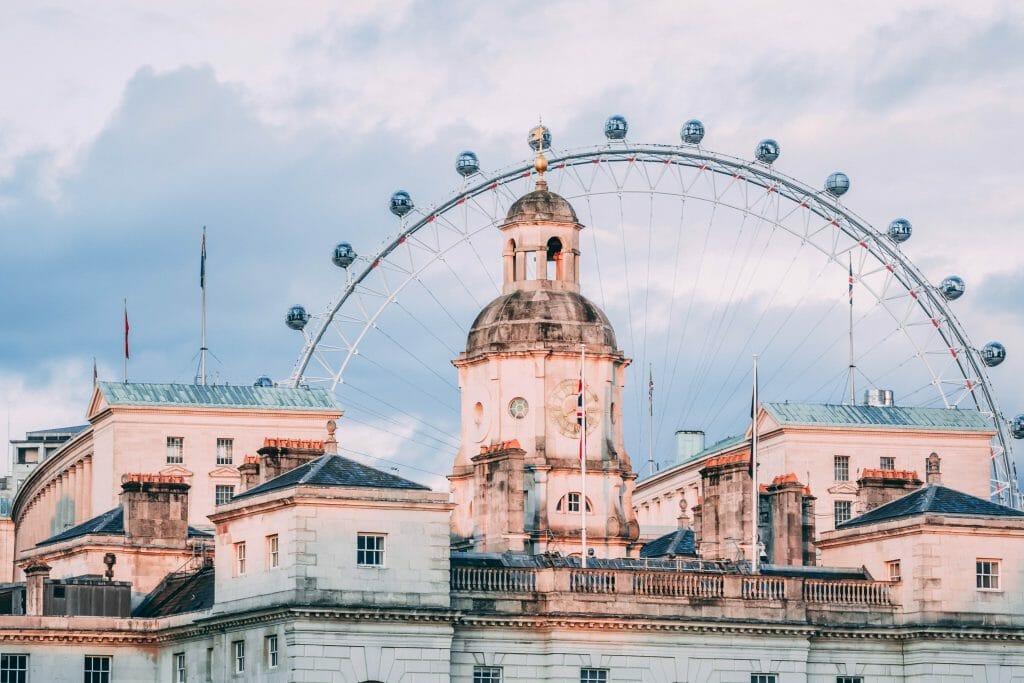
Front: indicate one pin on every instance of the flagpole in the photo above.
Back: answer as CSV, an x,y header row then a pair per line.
x,y
853,393
202,286
650,426
583,455
755,553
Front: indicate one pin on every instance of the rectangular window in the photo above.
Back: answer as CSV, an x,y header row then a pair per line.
x,y
892,570
179,668
988,574
175,450
240,558
573,502
764,678
223,493
842,511
370,550
97,669
27,456
271,652
13,668
225,448
886,463
594,675
486,674
239,648
849,679
841,467
273,558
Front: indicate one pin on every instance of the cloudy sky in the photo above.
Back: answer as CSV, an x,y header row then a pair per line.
x,y
126,129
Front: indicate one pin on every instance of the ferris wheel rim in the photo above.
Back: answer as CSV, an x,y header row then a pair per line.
x,y
818,202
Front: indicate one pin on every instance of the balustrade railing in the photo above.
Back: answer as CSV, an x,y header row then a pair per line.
x,y
500,579
847,592
678,585
763,588
591,581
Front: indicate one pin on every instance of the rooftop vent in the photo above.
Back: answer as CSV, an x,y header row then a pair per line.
x,y
879,398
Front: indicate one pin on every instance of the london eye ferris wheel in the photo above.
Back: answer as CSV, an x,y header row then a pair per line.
x,y
698,258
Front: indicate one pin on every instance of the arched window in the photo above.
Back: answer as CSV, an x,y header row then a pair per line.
x,y
554,265
570,502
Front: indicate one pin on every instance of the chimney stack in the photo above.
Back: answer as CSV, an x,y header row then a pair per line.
x,y
932,473
155,509
35,588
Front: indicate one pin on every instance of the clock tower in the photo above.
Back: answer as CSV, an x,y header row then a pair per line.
x,y
517,478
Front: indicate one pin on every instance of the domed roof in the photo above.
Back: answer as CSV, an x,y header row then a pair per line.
x,y
540,318
541,205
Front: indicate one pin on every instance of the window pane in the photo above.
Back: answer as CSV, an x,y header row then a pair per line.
x,y
13,668
841,465
594,675
175,449
225,448
486,674
843,510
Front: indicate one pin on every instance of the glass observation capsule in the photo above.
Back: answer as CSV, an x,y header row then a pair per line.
x,y
539,138
263,381
692,132
466,164
837,184
343,255
401,203
992,354
296,318
900,230
615,127
1017,427
767,151
952,288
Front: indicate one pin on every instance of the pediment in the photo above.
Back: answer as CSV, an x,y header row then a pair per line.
x,y
224,473
844,487
96,405
176,471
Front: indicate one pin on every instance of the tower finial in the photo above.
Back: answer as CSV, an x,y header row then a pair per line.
x,y
540,139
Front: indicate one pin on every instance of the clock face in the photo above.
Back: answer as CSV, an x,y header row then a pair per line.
x,y
518,407
562,405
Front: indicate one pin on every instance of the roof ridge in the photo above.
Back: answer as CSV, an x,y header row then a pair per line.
x,y
315,466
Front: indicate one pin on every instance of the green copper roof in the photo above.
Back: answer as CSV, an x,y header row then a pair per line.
x,y
813,414
217,396
719,446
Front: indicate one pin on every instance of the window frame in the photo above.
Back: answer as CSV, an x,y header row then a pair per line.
x,y
841,466
175,444
93,675
229,446
239,555
273,544
991,577
887,463
849,679
572,501
221,488
848,504
238,656
764,678
180,671
364,552
487,674
270,646
594,674
16,671
894,576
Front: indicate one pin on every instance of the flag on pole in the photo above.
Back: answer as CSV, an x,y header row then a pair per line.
x,y
753,423
202,262
126,328
95,372
850,280
580,411
650,387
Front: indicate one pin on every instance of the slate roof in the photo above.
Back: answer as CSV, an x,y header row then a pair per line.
x,y
678,542
333,470
179,593
933,498
110,523
54,431
217,396
815,414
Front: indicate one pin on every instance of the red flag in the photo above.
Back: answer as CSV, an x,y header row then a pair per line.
x,y
126,328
